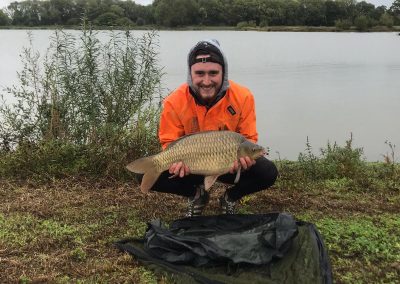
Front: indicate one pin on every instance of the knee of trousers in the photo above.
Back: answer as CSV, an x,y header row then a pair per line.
x,y
268,173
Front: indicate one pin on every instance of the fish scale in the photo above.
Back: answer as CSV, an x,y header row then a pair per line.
x,y
209,153
203,153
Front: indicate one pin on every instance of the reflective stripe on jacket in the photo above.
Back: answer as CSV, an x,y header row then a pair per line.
x,y
181,115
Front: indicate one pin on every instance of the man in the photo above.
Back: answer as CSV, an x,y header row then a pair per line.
x,y
209,101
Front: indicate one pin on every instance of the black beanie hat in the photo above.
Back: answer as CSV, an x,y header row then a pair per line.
x,y
206,48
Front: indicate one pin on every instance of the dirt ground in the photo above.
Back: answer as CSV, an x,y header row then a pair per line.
x,y
63,232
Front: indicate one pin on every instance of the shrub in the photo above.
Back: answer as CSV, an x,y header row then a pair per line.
x,y
245,24
343,24
90,107
335,162
361,23
386,20
343,162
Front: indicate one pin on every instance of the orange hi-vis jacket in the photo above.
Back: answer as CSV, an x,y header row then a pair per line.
x,y
181,115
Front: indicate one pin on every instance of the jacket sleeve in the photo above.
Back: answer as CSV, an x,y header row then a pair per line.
x,y
171,127
247,123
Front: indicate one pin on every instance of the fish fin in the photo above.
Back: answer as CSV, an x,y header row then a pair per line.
x,y
141,166
148,180
209,181
237,175
145,166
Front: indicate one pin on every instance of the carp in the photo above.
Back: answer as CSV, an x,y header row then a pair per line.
x,y
208,153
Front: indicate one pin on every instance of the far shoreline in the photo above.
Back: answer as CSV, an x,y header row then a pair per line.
x,y
217,28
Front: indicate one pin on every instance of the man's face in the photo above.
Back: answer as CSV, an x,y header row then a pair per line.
x,y
206,78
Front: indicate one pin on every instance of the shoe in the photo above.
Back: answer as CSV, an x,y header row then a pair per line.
x,y
196,205
227,207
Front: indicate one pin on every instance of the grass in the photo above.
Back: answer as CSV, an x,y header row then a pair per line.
x,y
63,232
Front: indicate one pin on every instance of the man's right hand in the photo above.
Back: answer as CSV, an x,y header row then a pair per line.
x,y
179,169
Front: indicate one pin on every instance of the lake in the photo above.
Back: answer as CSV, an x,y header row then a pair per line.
x,y
323,86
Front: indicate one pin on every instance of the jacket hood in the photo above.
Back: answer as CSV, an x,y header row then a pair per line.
x,y
225,82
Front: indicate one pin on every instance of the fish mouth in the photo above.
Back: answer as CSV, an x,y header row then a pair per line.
x,y
264,152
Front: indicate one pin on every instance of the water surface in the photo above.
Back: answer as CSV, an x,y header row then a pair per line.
x,y
321,85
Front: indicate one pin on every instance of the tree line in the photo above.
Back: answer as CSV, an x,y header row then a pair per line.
x,y
181,13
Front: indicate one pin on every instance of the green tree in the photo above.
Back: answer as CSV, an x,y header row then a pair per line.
x,y
349,6
245,11
64,8
173,13
395,8
378,12
395,11
139,14
273,12
107,19
211,12
313,12
364,8
292,13
4,19
386,20
334,10
25,13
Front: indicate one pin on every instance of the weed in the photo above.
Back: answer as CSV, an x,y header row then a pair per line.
x,y
78,254
368,240
146,276
309,162
391,168
373,239
335,162
18,230
24,279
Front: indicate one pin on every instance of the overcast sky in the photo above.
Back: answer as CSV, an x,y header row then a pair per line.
x,y
387,3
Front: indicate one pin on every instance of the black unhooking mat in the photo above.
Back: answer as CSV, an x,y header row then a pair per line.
x,y
263,248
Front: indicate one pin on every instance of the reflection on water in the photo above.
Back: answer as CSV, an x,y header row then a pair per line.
x,y
321,85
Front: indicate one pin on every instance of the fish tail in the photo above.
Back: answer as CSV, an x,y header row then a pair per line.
x,y
147,167
142,165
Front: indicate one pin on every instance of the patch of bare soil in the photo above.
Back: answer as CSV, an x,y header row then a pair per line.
x,y
103,206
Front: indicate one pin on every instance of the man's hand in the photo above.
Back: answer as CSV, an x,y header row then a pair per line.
x,y
245,163
179,169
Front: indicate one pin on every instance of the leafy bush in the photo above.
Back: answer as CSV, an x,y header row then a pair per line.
x,y
335,162
343,24
245,24
361,23
93,107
